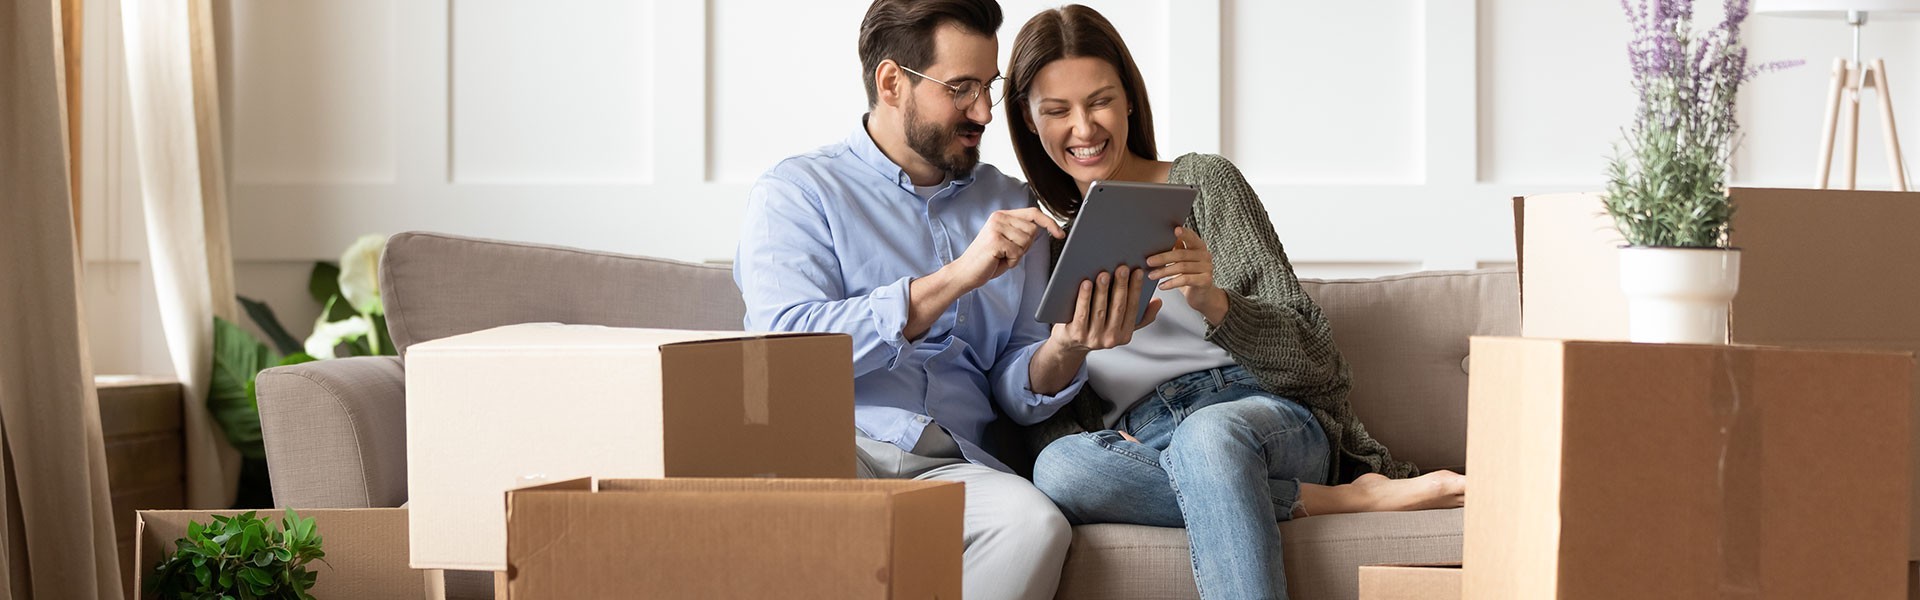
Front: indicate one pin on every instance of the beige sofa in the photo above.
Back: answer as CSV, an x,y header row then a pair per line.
x,y
336,430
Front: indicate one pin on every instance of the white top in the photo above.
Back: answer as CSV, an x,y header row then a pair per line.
x,y
1173,345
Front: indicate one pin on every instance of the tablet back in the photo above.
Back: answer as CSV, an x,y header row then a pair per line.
x,y
1121,222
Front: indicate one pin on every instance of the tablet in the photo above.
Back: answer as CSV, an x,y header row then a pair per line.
x,y
1121,222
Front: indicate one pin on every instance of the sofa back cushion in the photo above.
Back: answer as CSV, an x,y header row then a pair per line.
x,y
437,285
1405,337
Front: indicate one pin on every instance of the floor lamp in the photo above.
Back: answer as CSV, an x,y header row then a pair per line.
x,y
1850,79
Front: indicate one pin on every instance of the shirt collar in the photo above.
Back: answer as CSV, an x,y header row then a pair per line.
x,y
868,151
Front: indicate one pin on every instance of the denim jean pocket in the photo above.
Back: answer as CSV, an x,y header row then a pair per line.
x,y
1150,412
1112,441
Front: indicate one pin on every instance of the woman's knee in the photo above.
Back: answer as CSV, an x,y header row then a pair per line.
x,y
1065,464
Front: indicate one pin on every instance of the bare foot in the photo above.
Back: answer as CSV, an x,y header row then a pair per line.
x,y
1439,489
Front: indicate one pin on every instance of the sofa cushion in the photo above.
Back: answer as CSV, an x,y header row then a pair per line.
x,y
437,285
1323,554
1405,337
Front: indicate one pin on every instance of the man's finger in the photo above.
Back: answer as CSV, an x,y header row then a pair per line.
x,y
1080,310
1025,227
1130,305
1153,312
1101,306
1033,215
1120,300
1019,243
1041,219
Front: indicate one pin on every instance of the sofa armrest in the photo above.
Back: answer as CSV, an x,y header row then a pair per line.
x,y
336,432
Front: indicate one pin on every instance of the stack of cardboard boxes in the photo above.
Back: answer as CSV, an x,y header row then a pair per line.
x,y
582,461
719,415
1779,466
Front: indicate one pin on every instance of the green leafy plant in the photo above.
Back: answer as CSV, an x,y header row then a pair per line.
x,y
352,322
241,558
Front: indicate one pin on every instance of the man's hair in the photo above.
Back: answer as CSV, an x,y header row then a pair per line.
x,y
902,30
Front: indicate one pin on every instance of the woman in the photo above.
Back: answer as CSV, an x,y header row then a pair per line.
x,y
1230,409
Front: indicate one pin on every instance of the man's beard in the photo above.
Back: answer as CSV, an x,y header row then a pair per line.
x,y
931,140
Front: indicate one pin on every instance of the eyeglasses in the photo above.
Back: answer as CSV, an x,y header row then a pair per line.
x,y
967,92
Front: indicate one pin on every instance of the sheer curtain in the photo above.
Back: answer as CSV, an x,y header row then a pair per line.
x,y
56,534
172,87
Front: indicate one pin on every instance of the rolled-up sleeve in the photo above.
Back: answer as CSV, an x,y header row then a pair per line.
x,y
790,278
1012,373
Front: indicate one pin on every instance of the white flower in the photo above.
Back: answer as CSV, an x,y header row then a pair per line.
x,y
327,335
360,274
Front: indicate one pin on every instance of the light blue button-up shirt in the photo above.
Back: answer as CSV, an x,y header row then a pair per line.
x,y
831,240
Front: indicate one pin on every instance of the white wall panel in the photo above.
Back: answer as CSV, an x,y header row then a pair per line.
x,y
784,78
557,91
1554,89
1325,92
313,98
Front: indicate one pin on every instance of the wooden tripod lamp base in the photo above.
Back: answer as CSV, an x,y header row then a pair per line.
x,y
1849,81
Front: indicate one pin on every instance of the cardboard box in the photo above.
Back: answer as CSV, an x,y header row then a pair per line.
x,y
1819,268
1616,470
498,409
1410,582
366,549
736,538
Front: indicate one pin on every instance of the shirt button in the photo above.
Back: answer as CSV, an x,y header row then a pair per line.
x,y
963,319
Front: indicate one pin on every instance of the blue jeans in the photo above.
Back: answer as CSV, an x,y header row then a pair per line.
x,y
1218,455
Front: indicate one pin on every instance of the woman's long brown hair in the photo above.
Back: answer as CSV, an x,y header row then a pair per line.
x,y
1070,31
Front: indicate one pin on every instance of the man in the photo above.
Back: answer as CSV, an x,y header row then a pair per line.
x,y
869,237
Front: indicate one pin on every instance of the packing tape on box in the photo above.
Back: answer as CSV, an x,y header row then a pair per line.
x,y
753,381
1740,473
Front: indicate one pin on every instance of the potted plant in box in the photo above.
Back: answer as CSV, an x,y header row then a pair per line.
x,y
241,557
1667,194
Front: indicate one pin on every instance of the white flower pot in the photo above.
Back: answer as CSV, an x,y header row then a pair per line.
x,y
1678,295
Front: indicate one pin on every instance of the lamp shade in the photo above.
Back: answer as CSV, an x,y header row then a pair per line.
x,y
1837,9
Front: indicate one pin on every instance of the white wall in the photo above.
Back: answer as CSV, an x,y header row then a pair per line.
x,y
1384,136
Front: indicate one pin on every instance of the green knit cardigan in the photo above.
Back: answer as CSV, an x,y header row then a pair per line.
x,y
1272,328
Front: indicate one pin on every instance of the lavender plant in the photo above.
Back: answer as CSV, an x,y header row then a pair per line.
x,y
1669,189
